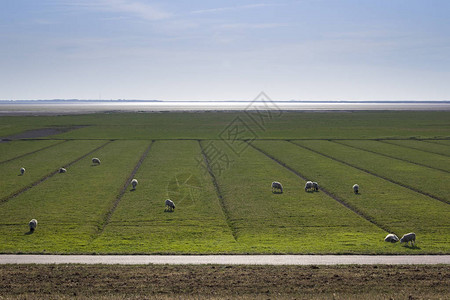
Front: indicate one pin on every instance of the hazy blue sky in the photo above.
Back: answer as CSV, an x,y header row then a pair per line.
x,y
225,50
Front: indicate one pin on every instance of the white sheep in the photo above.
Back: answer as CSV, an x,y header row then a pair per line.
x,y
311,186
95,160
409,237
62,170
308,185
170,206
276,186
356,188
32,224
22,171
391,238
134,183
316,186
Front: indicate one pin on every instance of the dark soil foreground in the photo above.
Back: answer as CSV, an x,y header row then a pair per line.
x,y
213,281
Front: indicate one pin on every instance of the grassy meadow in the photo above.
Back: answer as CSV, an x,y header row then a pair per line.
x,y
218,168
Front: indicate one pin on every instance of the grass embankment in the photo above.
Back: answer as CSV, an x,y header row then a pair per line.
x,y
140,223
224,282
419,178
421,157
399,209
292,222
71,206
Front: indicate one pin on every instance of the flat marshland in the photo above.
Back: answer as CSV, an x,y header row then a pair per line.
x,y
218,168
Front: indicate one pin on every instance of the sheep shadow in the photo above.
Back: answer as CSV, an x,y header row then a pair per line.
x,y
312,191
169,210
415,247
132,190
20,175
95,165
277,192
29,232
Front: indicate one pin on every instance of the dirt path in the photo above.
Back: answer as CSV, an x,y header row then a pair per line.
x,y
228,259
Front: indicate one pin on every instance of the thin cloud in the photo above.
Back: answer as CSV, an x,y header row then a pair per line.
x,y
138,9
230,8
253,26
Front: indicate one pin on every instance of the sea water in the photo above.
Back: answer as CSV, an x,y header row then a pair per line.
x,y
79,107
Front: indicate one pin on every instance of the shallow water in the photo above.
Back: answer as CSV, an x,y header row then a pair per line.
x,y
78,107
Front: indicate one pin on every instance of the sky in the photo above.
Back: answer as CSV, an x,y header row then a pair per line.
x,y
225,50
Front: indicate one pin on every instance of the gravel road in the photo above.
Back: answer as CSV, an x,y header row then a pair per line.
x,y
226,259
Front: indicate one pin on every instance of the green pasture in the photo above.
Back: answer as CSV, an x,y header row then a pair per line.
x,y
424,179
228,208
70,207
443,142
431,160
392,206
209,125
424,146
140,222
40,164
11,150
292,222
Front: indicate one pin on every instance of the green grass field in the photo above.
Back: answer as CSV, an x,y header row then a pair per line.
x,y
219,176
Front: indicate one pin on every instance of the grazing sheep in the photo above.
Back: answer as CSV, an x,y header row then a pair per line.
x,y
409,237
22,171
309,185
32,224
95,160
62,170
315,186
391,238
276,186
170,206
356,188
134,183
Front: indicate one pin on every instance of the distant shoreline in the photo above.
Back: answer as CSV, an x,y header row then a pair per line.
x,y
36,101
73,107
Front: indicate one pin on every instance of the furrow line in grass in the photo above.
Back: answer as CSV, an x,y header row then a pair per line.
x,y
434,142
39,181
107,217
388,156
329,194
373,174
218,192
426,151
32,152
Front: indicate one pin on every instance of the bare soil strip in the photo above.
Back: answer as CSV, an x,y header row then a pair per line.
x,y
387,142
329,194
224,282
32,152
219,193
388,156
373,174
39,181
107,217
